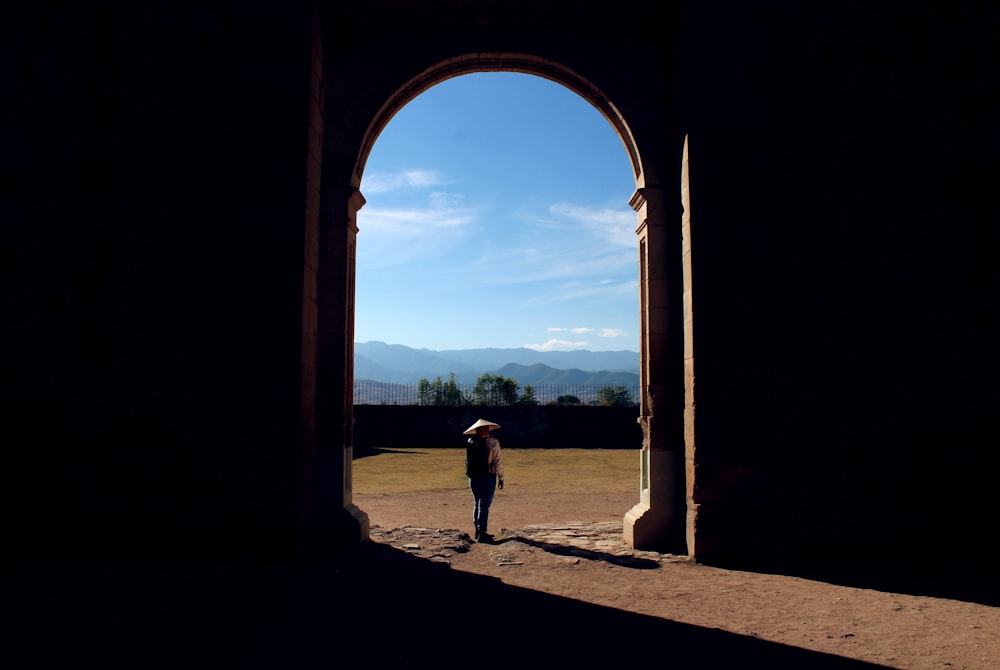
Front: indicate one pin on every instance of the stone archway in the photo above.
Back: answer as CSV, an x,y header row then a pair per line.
x,y
659,520
179,323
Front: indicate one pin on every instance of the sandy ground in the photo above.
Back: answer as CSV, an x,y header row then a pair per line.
x,y
524,602
840,624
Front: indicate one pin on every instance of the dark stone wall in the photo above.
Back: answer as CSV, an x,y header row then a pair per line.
x,y
843,163
537,427
844,236
153,244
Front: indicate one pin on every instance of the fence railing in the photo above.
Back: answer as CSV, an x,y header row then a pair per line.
x,y
386,393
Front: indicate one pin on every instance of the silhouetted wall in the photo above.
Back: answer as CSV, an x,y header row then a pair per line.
x,y
845,274
537,427
844,162
152,209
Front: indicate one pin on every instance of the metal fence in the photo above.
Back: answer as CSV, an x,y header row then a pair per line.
x,y
385,393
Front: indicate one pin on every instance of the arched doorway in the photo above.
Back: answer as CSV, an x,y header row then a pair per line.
x,y
659,521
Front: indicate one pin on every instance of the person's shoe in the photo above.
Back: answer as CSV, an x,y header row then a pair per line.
x,y
485,538
479,536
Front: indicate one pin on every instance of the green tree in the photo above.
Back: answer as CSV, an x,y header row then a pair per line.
x,y
495,390
616,396
425,391
528,396
568,400
440,392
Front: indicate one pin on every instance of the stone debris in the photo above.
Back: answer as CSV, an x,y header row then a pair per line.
x,y
437,544
503,560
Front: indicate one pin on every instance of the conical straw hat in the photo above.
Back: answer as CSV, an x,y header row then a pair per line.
x,y
471,430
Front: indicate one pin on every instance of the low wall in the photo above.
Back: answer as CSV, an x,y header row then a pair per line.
x,y
541,426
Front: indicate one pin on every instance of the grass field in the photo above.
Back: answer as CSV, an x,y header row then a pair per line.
x,y
531,470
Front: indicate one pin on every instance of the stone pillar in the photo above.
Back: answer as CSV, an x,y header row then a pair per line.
x,y
689,369
657,522
354,205
340,524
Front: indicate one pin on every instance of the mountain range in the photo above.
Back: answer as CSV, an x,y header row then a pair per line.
x,y
399,364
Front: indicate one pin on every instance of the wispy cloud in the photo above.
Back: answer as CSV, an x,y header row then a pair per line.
x,y
583,290
578,330
556,343
567,242
378,182
549,345
613,226
612,332
413,232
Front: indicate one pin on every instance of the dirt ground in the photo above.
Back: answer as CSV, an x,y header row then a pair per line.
x,y
420,594
840,625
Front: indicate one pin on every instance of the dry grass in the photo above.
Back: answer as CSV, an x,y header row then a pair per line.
x,y
531,470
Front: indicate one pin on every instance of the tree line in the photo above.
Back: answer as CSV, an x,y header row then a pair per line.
x,y
495,390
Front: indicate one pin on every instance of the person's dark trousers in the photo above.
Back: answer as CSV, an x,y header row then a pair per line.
x,y
483,489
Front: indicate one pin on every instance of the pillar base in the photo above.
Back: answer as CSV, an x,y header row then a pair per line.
x,y
342,532
649,528
354,529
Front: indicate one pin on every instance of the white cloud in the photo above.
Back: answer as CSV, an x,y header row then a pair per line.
x,y
578,329
549,345
413,221
601,332
395,235
566,242
554,263
612,226
445,200
386,182
612,332
579,290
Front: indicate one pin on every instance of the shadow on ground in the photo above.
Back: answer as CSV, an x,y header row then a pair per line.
x,y
626,561
360,453
377,606
973,581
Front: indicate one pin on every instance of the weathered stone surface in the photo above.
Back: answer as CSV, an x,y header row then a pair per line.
x,y
572,540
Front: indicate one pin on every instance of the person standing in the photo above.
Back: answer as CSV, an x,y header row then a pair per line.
x,y
484,468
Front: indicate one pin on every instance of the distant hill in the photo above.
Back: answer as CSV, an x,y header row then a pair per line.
x,y
397,363
543,374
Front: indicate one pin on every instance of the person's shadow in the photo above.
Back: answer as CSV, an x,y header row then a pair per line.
x,y
581,552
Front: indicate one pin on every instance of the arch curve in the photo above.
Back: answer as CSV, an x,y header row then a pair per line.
x,y
499,62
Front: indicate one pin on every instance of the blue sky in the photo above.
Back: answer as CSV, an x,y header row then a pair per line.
x,y
497,216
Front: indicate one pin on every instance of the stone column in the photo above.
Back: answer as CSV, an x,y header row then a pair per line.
x,y
354,205
338,520
689,368
657,522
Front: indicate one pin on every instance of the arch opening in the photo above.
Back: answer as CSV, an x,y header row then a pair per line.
x,y
661,475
